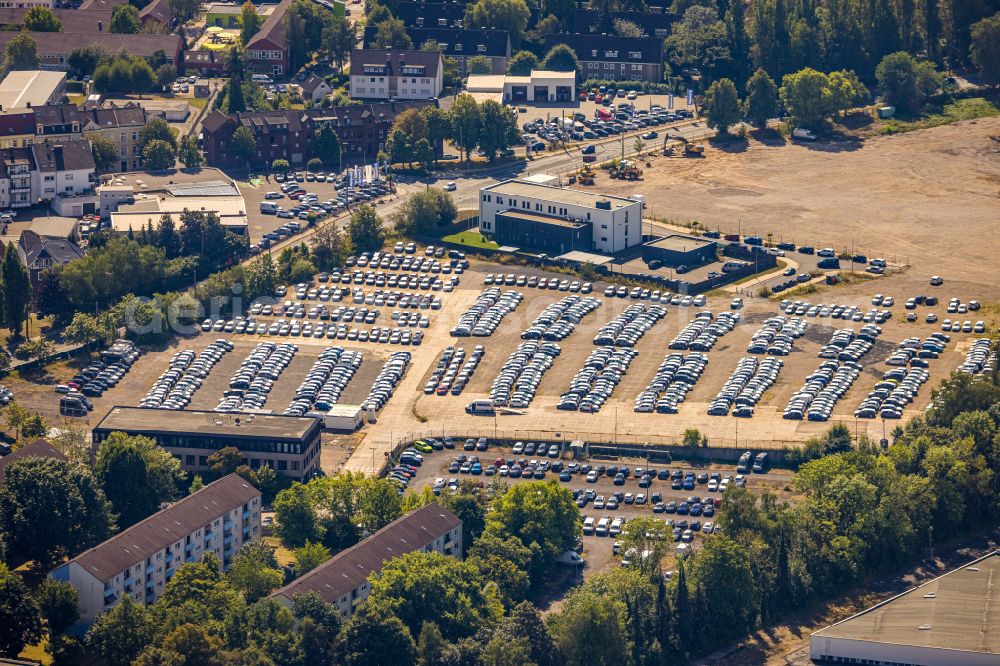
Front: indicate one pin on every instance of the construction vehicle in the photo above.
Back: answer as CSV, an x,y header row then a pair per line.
x,y
586,175
626,170
690,149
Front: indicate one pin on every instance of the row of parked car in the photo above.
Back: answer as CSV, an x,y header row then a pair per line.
x,y
655,296
485,314
702,332
591,387
674,379
387,380
517,382
558,320
184,375
325,382
890,396
252,382
915,352
835,311
627,328
776,336
745,386
453,371
535,282
846,345
823,388
979,357
100,375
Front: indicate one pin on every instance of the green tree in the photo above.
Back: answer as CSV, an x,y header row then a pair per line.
x,y
506,651
50,509
250,22
590,629
187,645
326,145
296,520
560,58
625,28
430,645
189,154
142,77
255,570
59,605
391,34
41,19
329,247
761,102
700,41
985,48
722,106
314,164
479,64
236,102
722,570
509,15
906,83
646,538
280,166
394,646
121,633
243,144
158,155
157,129
377,505
365,229
808,98
339,38
499,128
226,460
521,63
105,152
542,515
120,470
198,593
466,123
310,556
166,74
21,53
22,619
423,212
17,288
124,20
85,59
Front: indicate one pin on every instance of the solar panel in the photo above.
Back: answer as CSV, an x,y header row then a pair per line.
x,y
212,188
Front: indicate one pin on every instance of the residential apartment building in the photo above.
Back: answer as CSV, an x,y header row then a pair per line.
x,y
142,559
17,128
54,51
288,444
421,14
343,579
43,252
396,74
656,22
267,51
65,122
459,43
287,134
42,172
158,16
615,222
614,58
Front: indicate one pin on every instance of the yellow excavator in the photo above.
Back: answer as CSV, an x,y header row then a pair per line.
x,y
586,175
690,149
626,170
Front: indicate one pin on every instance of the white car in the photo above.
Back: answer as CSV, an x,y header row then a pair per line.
x,y
450,187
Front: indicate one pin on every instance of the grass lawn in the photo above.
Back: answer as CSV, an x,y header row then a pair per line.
x,y
472,239
198,102
962,109
284,555
76,99
37,653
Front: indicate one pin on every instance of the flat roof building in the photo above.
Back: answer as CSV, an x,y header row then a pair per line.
x,y
679,250
343,579
553,235
289,444
141,560
616,222
23,89
952,620
538,86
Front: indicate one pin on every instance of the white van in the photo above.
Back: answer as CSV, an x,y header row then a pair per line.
x,y
268,208
803,134
481,407
730,266
261,78
588,525
602,526
616,526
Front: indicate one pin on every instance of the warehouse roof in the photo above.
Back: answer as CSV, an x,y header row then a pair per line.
x,y
956,611
563,195
135,419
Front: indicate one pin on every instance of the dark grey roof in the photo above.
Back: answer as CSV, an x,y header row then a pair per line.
x,y
457,42
610,48
165,527
392,61
35,246
201,422
349,568
63,156
591,20
37,449
431,14
63,43
73,20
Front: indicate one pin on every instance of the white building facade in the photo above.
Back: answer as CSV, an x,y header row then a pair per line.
x,y
384,74
140,560
616,222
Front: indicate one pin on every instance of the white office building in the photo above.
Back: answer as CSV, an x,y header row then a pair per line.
x,y
616,222
141,560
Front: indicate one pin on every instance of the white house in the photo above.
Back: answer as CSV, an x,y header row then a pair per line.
x,y
396,74
315,88
615,222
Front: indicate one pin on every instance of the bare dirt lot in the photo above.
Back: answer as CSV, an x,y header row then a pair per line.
x,y
929,197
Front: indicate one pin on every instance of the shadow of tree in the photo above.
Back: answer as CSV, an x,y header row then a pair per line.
x,y
769,136
729,143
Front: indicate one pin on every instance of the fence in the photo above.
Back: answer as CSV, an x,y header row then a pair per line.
x,y
33,364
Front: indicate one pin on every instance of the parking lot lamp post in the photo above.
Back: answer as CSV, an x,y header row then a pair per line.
x,y
373,459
